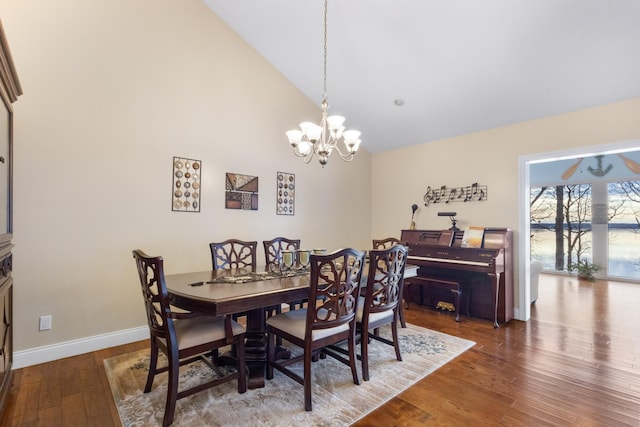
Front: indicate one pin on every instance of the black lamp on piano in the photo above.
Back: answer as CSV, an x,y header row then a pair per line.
x,y
414,208
452,217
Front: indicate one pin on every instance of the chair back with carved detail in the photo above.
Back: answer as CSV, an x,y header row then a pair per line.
x,y
380,304
154,293
233,253
334,289
273,249
385,243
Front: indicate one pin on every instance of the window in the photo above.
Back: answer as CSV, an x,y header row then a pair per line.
x,y
587,209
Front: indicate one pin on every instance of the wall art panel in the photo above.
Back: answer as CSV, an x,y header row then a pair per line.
x,y
285,193
186,185
241,191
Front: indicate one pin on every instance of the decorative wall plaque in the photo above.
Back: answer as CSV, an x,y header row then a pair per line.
x,y
285,193
186,185
241,191
470,193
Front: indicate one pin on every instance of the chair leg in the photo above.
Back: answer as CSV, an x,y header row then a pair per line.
x,y
271,354
307,379
402,322
396,342
407,293
364,354
353,359
172,385
153,364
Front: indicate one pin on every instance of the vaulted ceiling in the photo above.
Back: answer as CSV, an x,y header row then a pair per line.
x,y
457,66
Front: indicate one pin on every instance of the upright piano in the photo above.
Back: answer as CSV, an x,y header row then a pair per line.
x,y
485,273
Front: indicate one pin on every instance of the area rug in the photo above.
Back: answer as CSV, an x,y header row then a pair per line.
x,y
336,400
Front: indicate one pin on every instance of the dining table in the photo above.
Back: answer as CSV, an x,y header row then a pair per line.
x,y
243,290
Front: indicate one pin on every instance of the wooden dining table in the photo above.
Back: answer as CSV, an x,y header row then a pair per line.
x,y
224,292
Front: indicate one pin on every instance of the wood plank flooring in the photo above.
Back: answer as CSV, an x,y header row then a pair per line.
x,y
575,363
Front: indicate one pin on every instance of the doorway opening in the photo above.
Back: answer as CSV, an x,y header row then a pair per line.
x,y
569,168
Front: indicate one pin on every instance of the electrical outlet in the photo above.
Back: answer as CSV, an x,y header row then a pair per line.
x,y
45,323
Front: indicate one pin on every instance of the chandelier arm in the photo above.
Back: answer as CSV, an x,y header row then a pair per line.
x,y
307,159
346,157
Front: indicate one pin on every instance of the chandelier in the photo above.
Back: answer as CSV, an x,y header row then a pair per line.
x,y
323,139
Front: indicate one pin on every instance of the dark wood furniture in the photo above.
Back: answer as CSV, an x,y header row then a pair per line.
x,y
273,255
385,244
329,318
194,292
381,303
484,274
273,249
233,253
10,89
184,337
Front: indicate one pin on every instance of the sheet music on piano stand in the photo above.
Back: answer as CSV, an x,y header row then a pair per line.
x,y
472,237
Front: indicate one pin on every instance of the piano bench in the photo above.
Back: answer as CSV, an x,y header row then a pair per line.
x,y
456,286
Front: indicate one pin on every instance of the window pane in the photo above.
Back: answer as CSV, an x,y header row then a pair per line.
x,y
624,229
561,225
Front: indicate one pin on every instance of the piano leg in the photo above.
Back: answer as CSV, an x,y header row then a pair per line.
x,y
495,287
457,292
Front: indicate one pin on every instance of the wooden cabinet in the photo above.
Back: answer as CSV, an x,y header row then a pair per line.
x,y
9,91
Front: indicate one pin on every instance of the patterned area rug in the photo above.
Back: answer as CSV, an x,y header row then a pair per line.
x,y
336,400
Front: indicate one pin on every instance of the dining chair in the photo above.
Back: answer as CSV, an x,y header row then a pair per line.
x,y
273,249
380,305
385,244
273,255
233,253
184,337
329,318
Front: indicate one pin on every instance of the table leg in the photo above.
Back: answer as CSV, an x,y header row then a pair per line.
x,y
256,348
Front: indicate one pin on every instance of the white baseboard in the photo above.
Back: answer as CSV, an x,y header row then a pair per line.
x,y
47,353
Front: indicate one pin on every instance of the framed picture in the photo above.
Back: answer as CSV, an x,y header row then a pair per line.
x,y
186,185
241,191
285,193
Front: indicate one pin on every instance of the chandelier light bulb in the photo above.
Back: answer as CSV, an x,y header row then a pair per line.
x,y
295,137
335,122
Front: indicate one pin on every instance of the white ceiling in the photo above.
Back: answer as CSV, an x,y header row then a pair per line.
x,y
459,65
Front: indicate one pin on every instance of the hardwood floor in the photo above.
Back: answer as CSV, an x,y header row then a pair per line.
x,y
575,363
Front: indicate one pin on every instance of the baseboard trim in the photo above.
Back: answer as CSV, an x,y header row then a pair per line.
x,y
34,356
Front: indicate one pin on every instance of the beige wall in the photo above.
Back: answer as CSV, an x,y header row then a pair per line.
x,y
112,91
489,158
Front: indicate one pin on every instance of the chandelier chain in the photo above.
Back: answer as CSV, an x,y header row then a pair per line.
x,y
324,94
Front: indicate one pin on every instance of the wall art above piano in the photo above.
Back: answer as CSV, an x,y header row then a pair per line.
x,y
444,194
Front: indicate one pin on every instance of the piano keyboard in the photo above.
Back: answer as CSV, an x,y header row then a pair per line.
x,y
447,260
